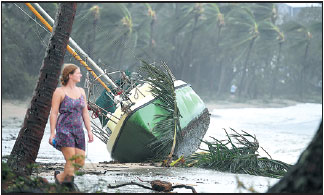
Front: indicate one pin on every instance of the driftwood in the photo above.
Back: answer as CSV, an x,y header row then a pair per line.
x,y
157,185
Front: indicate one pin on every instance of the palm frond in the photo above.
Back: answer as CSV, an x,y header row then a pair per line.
x,y
167,128
240,157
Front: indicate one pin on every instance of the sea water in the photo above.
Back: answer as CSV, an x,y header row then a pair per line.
x,y
283,132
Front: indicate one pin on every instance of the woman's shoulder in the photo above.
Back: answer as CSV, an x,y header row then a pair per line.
x,y
59,91
83,93
82,90
58,95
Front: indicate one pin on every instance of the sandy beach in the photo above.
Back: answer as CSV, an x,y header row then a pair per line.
x,y
272,126
47,169
17,109
13,109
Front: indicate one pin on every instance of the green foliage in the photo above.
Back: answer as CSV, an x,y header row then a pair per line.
x,y
22,53
242,157
76,157
17,84
168,127
209,45
12,183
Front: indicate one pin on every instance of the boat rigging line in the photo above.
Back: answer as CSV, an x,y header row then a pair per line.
x,y
76,46
75,55
103,74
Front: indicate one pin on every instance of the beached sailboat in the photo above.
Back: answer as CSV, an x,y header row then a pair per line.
x,y
132,129
142,117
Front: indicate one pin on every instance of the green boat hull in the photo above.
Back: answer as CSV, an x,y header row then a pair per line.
x,y
135,134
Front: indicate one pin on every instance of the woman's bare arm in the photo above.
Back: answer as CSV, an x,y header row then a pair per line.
x,y
86,117
56,100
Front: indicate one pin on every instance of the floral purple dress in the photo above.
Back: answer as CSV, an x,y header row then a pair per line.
x,y
69,126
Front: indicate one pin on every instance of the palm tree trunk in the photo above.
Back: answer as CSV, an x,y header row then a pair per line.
x,y
151,35
251,89
214,67
189,52
220,81
28,141
174,54
122,48
92,37
276,72
302,77
241,84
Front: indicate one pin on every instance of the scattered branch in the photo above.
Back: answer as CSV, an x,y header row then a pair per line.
x,y
130,183
185,186
157,185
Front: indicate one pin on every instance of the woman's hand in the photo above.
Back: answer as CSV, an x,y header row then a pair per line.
x,y
90,135
50,141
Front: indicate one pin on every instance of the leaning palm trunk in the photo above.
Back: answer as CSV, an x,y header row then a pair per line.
x,y
27,144
240,88
303,73
276,72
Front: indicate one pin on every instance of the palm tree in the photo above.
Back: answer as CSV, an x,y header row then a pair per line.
x,y
85,27
301,37
196,11
152,14
173,17
280,39
27,144
184,22
247,21
268,49
270,44
92,37
217,18
23,48
250,35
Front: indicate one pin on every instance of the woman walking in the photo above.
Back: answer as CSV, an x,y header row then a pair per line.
x,y
69,101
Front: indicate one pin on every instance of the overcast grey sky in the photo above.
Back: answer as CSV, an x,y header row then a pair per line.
x,y
303,4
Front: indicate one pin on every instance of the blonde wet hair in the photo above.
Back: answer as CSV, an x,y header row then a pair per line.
x,y
67,70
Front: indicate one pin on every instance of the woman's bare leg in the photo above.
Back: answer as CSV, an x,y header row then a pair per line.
x,y
68,153
80,158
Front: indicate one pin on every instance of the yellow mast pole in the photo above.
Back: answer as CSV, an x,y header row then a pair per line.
x,y
74,54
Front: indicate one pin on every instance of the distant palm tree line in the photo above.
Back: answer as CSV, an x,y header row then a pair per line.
x,y
209,45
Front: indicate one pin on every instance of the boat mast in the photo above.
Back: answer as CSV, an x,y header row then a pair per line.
x,y
76,46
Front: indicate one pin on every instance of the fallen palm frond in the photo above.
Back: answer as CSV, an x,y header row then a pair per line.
x,y
168,127
242,157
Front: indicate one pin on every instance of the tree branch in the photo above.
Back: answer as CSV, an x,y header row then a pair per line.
x,y
158,186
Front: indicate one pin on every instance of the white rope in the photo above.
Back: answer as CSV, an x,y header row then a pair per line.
x,y
39,37
32,18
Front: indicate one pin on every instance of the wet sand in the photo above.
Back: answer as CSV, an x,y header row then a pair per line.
x,y
13,109
47,169
98,175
